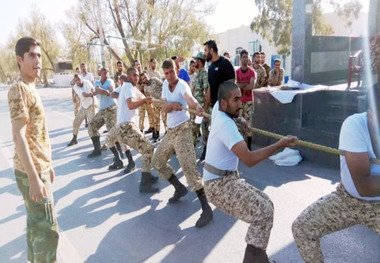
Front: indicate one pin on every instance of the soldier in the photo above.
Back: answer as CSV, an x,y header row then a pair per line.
x,y
152,72
222,184
192,73
266,67
181,72
179,139
85,74
75,97
32,160
246,82
107,111
276,75
130,98
153,88
86,94
118,73
201,87
357,198
259,70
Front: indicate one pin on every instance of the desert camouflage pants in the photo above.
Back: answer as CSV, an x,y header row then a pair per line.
x,y
149,109
76,105
106,116
42,228
83,113
112,138
245,202
128,134
157,111
329,214
204,127
247,114
180,140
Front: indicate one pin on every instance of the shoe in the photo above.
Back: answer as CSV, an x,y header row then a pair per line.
x,y
180,192
205,218
73,141
150,130
146,184
86,125
130,167
105,131
116,165
203,155
94,153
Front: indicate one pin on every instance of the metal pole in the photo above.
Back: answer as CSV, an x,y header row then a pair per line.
x,y
101,34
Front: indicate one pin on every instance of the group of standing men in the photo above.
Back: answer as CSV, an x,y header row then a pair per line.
x,y
356,200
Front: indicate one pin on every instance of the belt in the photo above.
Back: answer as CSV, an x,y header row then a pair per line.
x,y
214,170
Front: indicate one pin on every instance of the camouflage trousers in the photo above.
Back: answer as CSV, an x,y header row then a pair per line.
x,y
106,116
180,140
83,113
245,202
76,105
112,138
329,214
149,109
247,114
204,126
128,134
42,228
157,111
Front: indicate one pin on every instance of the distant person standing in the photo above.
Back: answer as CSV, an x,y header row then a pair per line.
x,y
118,73
32,160
152,70
259,70
276,75
76,100
266,67
85,74
181,72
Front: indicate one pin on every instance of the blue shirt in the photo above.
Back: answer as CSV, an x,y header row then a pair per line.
x,y
184,75
104,100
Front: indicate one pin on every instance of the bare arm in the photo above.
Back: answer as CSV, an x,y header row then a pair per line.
x,y
359,166
115,95
134,104
37,190
251,158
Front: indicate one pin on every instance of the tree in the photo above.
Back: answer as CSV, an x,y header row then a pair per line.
x,y
274,21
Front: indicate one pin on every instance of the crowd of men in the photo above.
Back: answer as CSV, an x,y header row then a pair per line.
x,y
225,93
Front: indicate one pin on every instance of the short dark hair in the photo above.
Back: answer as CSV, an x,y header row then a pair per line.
x,y
134,62
83,64
255,54
77,76
168,63
225,89
262,53
77,68
211,44
119,62
23,45
243,52
225,53
192,61
131,70
151,60
123,77
277,60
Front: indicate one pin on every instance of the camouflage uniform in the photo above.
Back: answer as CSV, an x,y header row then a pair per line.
x,y
76,104
106,116
178,139
155,90
154,74
267,70
127,133
260,76
201,86
331,213
245,202
42,228
276,79
145,108
83,113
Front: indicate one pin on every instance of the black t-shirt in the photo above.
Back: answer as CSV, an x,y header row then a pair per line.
x,y
218,72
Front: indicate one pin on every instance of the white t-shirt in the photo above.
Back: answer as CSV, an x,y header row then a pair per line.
x,y
355,137
223,136
124,114
88,77
85,102
175,118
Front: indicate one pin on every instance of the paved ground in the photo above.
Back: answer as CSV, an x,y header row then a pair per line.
x,y
103,218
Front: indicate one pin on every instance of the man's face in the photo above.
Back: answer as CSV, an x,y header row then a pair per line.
x,y
227,55
277,65
153,65
78,81
103,74
170,75
244,60
120,67
192,67
262,59
198,63
31,62
83,68
234,104
77,71
208,54
138,66
257,59
133,77
144,78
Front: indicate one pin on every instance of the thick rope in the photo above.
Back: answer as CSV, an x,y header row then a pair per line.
x,y
310,145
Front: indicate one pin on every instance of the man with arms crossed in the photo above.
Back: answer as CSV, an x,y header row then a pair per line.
x,y
32,159
222,184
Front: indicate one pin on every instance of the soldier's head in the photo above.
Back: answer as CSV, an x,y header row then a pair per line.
x,y
227,55
170,72
104,74
77,70
123,78
244,56
256,58
262,57
229,98
83,67
78,80
133,75
144,77
153,63
277,63
211,50
192,66
119,65
137,65
28,56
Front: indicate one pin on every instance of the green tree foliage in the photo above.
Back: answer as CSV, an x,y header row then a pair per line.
x,y
274,21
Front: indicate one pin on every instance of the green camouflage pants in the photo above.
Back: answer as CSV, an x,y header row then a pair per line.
x,y
245,202
329,214
42,228
180,140
127,133
247,114
106,116
80,116
148,108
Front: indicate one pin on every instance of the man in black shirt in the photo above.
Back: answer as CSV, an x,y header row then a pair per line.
x,y
219,71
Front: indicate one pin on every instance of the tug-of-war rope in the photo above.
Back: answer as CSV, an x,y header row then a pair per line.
x,y
310,145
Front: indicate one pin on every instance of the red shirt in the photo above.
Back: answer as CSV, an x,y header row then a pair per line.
x,y
245,77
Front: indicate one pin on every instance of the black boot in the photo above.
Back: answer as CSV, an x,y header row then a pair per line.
x,y
156,135
86,122
73,141
150,130
131,164
207,213
118,147
203,155
180,189
118,164
96,151
146,184
255,255
249,142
